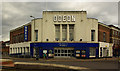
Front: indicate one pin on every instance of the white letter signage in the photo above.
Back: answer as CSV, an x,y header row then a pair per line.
x,y
64,18
59,18
55,18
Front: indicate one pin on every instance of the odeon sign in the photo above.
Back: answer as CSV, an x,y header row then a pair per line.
x,y
64,18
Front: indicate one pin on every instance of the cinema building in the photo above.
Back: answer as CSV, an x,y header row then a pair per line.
x,y
58,34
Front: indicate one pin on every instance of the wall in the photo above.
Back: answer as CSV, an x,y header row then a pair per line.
x,y
82,29
17,35
103,28
16,45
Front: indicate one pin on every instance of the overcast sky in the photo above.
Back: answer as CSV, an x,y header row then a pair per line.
x,y
15,14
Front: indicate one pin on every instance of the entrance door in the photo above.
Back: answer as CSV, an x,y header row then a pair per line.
x,y
104,52
63,52
34,52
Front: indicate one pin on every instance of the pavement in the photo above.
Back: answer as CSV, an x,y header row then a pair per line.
x,y
68,59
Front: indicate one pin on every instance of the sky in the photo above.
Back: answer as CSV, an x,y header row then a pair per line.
x,y
15,14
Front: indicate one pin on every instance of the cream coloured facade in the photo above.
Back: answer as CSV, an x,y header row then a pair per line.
x,y
19,48
82,26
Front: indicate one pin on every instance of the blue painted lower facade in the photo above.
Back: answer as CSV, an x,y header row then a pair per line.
x,y
76,46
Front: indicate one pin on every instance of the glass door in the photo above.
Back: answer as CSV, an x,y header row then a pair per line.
x,y
63,52
34,52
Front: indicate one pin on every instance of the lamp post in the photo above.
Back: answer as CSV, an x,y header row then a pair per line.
x,y
34,21
34,39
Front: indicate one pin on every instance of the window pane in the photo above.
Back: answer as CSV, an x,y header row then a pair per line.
x,y
36,38
58,51
71,32
58,54
64,32
92,35
104,34
92,51
57,32
55,51
65,51
55,54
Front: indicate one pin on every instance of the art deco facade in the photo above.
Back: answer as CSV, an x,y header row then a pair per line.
x,y
62,34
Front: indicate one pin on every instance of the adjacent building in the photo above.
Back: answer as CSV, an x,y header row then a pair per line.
x,y
115,39
105,47
4,48
62,34
18,43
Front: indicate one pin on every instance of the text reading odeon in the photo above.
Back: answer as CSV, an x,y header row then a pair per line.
x,y
64,18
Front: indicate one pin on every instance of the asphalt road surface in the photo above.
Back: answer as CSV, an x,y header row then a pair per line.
x,y
97,65
106,64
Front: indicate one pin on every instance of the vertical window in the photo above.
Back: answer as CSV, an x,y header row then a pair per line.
x,y
24,50
92,35
113,32
10,50
21,49
92,51
13,50
36,33
64,32
116,33
104,34
71,32
34,50
104,51
18,50
101,51
28,49
57,32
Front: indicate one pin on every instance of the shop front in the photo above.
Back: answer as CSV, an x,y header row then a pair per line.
x,y
78,50
105,49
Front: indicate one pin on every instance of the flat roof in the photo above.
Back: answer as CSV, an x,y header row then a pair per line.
x,y
103,24
64,11
114,27
20,27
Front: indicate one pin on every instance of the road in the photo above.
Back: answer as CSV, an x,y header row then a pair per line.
x,y
104,64
110,64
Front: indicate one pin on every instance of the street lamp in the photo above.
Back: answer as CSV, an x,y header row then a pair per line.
x,y
34,21
32,17
34,40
